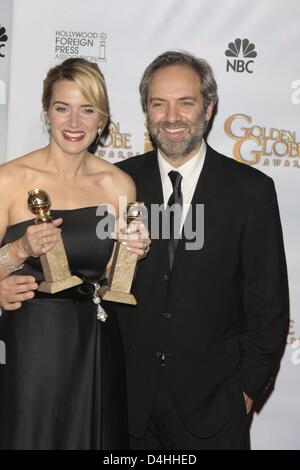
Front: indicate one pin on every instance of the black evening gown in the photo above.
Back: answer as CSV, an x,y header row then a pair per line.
x,y
63,383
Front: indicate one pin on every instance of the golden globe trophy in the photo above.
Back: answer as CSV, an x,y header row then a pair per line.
x,y
124,263
55,263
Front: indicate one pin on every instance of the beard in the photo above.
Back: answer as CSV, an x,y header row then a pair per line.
x,y
178,149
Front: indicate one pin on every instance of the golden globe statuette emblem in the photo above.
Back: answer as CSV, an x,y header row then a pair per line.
x,y
55,263
123,264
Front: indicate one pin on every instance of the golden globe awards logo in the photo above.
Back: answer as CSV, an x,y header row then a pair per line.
x,y
118,144
294,342
241,52
256,145
148,146
86,44
292,338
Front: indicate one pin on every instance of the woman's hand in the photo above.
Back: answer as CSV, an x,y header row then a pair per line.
x,y
39,239
136,239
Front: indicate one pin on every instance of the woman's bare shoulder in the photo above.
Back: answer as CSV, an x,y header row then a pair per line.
x,y
119,180
28,160
14,172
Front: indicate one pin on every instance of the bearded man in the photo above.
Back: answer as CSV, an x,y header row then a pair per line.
x,y
205,339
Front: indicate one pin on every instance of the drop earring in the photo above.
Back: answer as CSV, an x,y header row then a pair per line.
x,y
99,130
48,125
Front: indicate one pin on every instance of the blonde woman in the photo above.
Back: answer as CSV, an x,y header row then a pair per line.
x,y
63,384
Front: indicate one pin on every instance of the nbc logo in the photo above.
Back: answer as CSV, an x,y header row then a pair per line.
x,y
241,50
3,39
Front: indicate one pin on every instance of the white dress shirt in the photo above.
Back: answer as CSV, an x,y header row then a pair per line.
x,y
190,172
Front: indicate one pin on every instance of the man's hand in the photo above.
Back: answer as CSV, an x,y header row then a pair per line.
x,y
15,289
248,402
135,238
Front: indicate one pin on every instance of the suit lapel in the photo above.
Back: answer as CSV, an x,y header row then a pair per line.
x,y
150,191
206,192
149,186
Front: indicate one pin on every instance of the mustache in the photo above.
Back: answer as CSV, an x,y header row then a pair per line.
x,y
172,125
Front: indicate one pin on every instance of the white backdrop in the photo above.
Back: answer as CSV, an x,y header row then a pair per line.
x,y
257,120
5,33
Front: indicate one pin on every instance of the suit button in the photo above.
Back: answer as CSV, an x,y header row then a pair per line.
x,y
166,276
167,315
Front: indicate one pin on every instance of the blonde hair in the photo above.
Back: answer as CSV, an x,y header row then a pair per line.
x,y
87,77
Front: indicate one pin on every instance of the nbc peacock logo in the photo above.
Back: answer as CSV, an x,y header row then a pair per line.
x,y
242,52
3,40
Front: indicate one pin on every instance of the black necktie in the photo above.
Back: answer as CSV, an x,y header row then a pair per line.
x,y
175,217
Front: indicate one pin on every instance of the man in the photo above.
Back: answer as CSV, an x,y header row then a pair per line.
x,y
205,339
210,325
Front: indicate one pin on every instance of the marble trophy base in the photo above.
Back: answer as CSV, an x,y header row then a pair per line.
x,y
56,271
120,277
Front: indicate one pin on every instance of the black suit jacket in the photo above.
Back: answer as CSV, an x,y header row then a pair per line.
x,y
220,317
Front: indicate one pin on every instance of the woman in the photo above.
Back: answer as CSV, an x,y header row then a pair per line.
x,y
63,385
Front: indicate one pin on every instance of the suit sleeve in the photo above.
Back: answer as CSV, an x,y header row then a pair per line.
x,y
265,295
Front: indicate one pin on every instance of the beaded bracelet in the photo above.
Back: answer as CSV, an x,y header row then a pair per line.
x,y
5,261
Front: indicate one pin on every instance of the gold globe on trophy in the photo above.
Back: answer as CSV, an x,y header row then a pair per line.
x,y
55,263
124,263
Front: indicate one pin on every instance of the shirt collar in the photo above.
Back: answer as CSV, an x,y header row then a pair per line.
x,y
189,170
